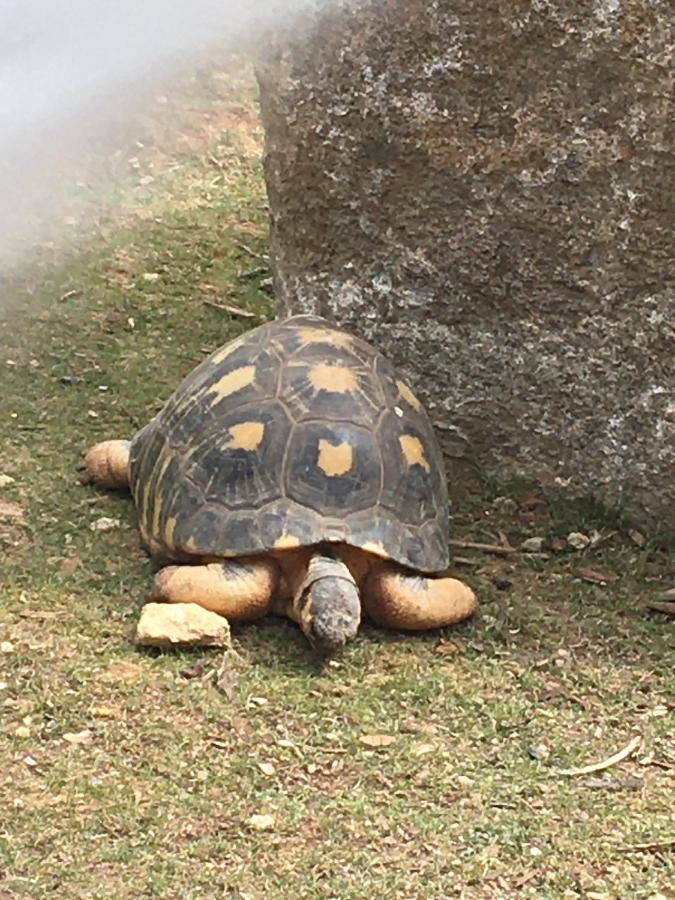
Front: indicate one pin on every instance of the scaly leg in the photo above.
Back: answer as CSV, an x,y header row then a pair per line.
x,y
107,464
240,591
398,599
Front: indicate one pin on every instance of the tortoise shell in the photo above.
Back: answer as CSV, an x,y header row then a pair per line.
x,y
294,434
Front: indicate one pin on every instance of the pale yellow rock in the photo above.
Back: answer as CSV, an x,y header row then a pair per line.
x,y
186,624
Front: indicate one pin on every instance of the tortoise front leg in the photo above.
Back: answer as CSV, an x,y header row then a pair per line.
x,y
398,599
107,464
240,591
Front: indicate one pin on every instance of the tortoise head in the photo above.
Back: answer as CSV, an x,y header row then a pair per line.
x,y
328,604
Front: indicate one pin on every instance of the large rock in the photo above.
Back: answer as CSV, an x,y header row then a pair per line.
x,y
484,190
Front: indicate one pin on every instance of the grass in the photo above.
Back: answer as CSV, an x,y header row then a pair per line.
x,y
132,774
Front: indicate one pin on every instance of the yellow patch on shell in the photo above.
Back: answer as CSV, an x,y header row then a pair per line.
x,y
320,335
376,548
246,436
159,500
413,451
286,542
226,351
232,382
336,379
154,546
335,459
408,395
190,547
169,529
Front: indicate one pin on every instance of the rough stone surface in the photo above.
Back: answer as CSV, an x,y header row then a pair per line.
x,y
485,191
185,624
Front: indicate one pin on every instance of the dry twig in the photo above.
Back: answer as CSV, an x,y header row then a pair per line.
x,y
496,549
627,751
662,606
652,846
233,310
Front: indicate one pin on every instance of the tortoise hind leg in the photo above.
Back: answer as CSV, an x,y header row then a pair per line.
x,y
107,464
240,591
398,599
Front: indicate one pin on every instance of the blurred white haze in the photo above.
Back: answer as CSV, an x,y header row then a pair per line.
x,y
68,68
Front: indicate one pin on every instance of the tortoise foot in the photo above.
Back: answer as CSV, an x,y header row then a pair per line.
x,y
240,591
397,599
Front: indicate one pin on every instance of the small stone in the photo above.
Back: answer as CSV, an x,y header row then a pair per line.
x,y
78,737
267,768
168,624
22,731
5,480
105,524
533,545
6,647
151,277
464,781
539,751
261,822
577,540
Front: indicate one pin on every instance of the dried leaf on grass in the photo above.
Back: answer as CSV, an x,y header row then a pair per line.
x,y
122,672
377,740
105,524
596,576
10,510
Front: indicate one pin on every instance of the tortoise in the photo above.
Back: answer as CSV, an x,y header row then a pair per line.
x,y
294,471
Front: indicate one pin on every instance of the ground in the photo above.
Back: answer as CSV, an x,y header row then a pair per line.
x,y
415,766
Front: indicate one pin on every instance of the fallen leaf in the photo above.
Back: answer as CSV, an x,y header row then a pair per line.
x,y
10,510
596,576
539,751
78,737
69,565
22,731
663,606
258,701
377,740
637,537
5,480
423,749
227,681
103,712
577,540
124,671
261,822
447,648
196,670
533,545
105,524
